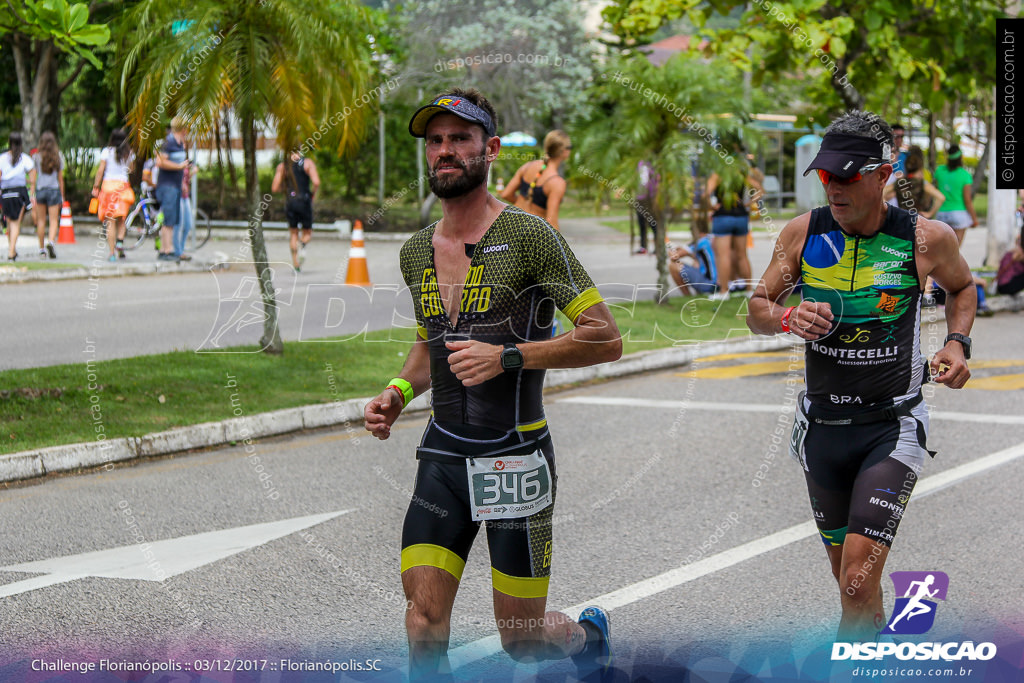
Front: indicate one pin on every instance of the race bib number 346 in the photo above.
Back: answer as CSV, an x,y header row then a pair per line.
x,y
508,487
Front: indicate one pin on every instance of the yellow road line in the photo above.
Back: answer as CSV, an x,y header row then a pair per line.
x,y
746,370
753,354
981,364
998,383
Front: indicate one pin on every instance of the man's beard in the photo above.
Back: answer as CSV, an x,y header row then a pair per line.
x,y
474,174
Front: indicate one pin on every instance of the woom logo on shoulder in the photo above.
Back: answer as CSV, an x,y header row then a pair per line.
x,y
914,614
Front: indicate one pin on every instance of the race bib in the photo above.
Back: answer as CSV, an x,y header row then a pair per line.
x,y
796,440
508,486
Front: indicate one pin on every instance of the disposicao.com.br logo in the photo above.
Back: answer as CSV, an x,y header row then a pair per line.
x,y
914,614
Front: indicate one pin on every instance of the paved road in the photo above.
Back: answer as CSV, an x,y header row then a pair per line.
x,y
662,515
128,316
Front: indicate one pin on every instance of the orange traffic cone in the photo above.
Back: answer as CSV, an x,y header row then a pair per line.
x,y
67,226
358,274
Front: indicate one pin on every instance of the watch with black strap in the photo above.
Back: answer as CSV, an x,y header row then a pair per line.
x,y
511,358
963,339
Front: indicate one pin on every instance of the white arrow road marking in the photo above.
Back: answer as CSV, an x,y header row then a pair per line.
x,y
170,557
490,645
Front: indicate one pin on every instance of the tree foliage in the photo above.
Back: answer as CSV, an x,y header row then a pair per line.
x,y
877,53
301,66
42,33
671,116
65,25
529,58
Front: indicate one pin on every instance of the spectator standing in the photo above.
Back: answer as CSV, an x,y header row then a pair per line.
x,y
300,182
113,191
916,194
646,196
899,160
730,222
171,160
17,187
913,192
956,184
542,194
49,165
899,134
147,183
185,224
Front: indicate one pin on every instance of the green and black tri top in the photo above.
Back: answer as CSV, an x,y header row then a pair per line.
x,y
520,270
873,353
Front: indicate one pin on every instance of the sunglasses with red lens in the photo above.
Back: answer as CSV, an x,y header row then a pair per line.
x,y
827,177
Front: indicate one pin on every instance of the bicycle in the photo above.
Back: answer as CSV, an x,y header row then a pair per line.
x,y
146,219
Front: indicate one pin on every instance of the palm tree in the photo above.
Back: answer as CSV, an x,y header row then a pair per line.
x,y
666,115
301,66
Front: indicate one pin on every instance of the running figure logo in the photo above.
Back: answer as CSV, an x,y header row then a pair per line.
x,y
914,612
241,314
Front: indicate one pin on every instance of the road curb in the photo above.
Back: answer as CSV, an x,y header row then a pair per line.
x,y
107,270
80,456
101,268
1006,304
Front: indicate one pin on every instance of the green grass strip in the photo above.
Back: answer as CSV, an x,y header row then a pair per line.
x,y
74,403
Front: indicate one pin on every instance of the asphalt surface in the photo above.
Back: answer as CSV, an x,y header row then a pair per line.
x,y
645,489
675,508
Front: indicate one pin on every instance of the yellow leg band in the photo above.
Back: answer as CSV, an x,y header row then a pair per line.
x,y
428,555
539,424
519,587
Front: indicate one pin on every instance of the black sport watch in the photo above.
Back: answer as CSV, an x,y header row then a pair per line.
x,y
511,358
963,339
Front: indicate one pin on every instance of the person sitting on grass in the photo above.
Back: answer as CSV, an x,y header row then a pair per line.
x,y
693,268
1010,278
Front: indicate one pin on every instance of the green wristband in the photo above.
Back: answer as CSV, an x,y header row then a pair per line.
x,y
404,387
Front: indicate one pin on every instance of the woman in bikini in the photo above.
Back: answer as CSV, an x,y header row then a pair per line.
x,y
537,187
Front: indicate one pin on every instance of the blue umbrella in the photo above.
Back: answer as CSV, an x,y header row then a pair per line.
x,y
518,139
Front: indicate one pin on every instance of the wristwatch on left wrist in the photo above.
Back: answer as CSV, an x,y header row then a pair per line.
x,y
511,358
963,339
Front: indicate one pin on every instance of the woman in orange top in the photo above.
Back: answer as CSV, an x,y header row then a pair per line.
x,y
113,191
536,187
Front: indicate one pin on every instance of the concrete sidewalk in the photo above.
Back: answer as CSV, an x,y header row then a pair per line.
x,y
87,256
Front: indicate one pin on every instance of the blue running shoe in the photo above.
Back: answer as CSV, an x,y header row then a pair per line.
x,y
597,653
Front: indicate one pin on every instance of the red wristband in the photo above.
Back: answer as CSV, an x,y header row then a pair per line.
x,y
397,388
785,318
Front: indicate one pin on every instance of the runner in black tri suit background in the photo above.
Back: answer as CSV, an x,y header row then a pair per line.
x,y
861,428
485,282
299,180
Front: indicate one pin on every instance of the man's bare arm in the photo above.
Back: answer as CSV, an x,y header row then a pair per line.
x,y
594,340
276,184
382,411
809,320
940,251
